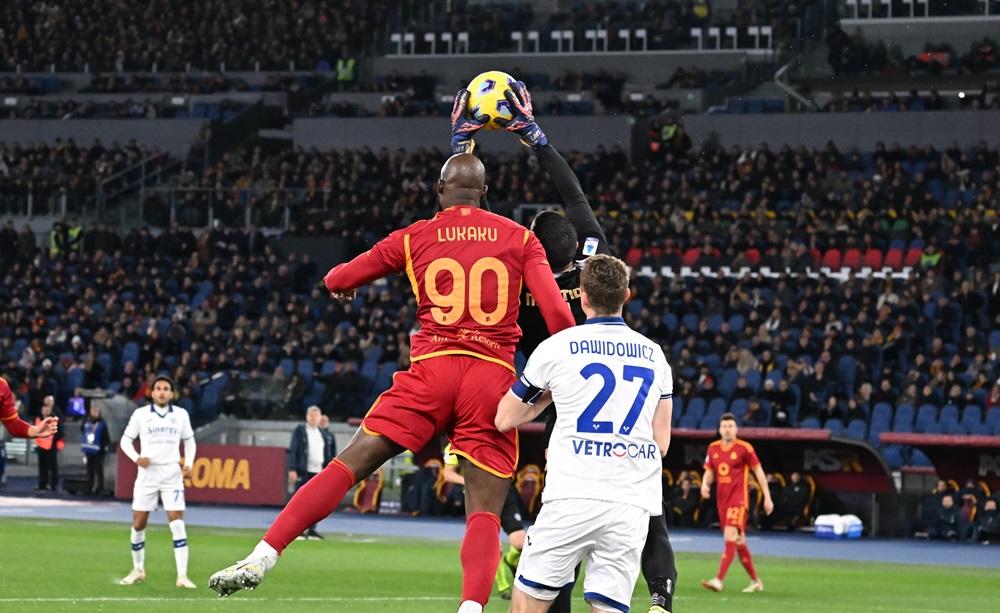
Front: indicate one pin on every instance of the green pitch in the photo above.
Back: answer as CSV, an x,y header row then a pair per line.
x,y
62,565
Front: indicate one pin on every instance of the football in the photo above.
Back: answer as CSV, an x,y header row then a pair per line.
x,y
486,96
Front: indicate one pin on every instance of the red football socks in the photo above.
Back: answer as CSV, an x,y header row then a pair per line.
x,y
727,559
747,561
480,555
314,501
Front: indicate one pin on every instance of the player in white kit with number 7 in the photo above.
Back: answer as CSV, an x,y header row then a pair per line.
x,y
612,391
160,428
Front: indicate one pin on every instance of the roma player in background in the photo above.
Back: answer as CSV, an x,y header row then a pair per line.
x,y
17,427
466,267
728,463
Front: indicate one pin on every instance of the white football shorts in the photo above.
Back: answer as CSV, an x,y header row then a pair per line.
x,y
609,536
158,482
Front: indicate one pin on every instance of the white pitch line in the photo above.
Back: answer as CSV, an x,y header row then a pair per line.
x,y
254,599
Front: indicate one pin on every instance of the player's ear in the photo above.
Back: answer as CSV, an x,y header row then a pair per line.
x,y
440,188
482,194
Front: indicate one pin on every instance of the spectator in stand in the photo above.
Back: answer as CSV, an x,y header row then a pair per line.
x,y
789,505
948,523
684,504
986,528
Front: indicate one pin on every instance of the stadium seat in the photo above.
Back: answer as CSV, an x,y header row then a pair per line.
x,y
874,430
981,430
690,257
727,383
695,409
306,369
831,259
971,415
894,259
736,323
852,259
926,415
912,257
882,413
948,416
328,368
903,421
368,495
847,371
835,425
919,458
753,378
873,259
709,422
287,365
716,408
955,428
809,423
738,408
930,428
690,422
857,429
893,456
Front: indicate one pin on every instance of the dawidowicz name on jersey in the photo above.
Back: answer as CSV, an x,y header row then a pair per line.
x,y
612,348
608,449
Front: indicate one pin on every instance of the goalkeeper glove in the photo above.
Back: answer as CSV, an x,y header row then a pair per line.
x,y
522,121
463,125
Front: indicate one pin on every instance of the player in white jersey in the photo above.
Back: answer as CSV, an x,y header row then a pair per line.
x,y
612,388
160,428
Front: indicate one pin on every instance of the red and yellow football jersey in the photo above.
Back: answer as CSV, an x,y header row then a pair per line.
x,y
8,412
732,465
466,267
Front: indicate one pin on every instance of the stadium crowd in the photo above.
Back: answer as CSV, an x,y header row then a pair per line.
x,y
852,355
50,170
128,35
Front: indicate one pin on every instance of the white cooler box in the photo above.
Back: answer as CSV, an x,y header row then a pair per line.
x,y
838,527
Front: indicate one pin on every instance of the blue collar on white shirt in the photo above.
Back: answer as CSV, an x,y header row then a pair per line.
x,y
613,320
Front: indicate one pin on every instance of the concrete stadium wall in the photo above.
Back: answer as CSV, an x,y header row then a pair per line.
x,y
642,68
173,135
846,130
569,133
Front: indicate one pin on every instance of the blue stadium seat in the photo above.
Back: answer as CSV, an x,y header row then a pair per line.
x,y
695,409
857,429
753,380
130,353
893,455
809,422
931,428
690,422
955,428
716,408
328,367
690,321
847,370
677,412
736,323
727,383
670,321
948,416
874,431
926,414
981,430
903,421
835,426
708,422
306,369
919,458
715,323
738,407
882,413
287,365
994,339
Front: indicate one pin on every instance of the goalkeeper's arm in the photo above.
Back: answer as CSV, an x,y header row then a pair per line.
x,y
578,210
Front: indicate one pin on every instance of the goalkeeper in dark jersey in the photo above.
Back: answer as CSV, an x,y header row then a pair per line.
x,y
567,239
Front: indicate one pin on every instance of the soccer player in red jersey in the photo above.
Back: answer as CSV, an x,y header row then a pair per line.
x,y
728,463
466,267
17,427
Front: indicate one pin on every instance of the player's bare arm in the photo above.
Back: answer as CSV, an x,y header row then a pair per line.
x,y
661,424
706,483
512,412
758,472
451,475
